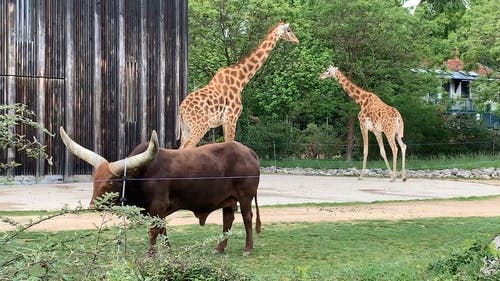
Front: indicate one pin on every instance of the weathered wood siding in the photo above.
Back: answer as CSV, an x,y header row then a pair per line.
x,y
109,71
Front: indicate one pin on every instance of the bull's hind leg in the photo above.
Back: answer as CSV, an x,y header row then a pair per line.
x,y
227,223
246,213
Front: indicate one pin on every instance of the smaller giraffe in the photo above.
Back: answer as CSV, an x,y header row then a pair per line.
x,y
377,117
219,102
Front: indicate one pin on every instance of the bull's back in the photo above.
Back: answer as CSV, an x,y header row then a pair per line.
x,y
200,179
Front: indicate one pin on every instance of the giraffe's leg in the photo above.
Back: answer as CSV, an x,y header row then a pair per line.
x,y
380,142
394,148
197,131
364,134
185,134
229,126
403,156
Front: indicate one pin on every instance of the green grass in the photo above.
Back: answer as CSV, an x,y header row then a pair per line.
x,y
438,162
367,250
350,251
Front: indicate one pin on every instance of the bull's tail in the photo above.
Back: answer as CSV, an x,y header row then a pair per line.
x,y
258,224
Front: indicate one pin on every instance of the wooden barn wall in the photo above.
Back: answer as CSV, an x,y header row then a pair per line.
x,y
108,71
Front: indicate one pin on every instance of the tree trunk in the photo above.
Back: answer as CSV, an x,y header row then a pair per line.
x,y
350,137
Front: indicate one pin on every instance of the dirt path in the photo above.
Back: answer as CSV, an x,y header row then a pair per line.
x,y
489,207
378,211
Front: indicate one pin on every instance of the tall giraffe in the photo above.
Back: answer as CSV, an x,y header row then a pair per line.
x,y
377,117
219,102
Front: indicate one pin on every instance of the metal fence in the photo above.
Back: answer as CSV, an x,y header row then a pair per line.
x,y
108,71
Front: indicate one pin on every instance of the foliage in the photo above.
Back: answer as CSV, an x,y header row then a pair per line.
x,y
13,120
223,32
487,95
479,40
318,140
464,130
396,250
378,44
463,262
105,253
271,139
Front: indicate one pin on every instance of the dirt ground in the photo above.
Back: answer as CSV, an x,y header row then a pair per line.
x,y
489,207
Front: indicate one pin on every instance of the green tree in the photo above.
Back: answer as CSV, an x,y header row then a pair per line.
x,y
478,37
487,95
221,32
377,45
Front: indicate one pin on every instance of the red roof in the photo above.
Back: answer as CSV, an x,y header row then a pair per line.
x,y
454,64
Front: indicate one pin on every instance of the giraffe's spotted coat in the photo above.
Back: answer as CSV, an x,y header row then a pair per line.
x,y
219,102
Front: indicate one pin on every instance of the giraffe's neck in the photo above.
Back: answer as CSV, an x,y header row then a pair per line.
x,y
353,90
248,66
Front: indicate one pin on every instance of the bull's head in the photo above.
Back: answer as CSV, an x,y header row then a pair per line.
x,y
106,173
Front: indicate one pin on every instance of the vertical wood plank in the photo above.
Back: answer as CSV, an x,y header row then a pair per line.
x,y
69,84
161,77
11,70
121,80
143,72
40,67
97,87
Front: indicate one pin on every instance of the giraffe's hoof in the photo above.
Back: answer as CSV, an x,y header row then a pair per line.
x,y
246,253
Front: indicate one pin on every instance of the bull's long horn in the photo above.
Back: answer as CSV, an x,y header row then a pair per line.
x,y
86,155
138,160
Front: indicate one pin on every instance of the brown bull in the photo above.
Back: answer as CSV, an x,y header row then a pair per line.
x,y
201,180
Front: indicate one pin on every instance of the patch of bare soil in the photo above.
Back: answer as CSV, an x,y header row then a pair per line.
x,y
379,211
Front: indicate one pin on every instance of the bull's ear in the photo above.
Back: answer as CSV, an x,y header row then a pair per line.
x,y
138,160
86,155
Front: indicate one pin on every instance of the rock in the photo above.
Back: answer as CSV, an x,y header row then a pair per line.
x,y
486,173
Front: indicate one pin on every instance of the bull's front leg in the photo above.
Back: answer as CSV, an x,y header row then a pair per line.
x,y
153,236
227,223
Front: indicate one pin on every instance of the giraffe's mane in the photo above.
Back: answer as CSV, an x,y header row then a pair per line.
x,y
258,44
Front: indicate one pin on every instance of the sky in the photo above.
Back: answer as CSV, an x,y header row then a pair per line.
x,y
411,3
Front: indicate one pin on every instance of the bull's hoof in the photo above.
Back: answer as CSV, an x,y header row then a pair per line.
x,y
152,253
404,179
246,253
218,251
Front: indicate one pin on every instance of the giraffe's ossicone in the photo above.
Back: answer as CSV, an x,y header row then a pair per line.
x,y
219,102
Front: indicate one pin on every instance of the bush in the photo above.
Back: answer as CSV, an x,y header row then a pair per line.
x,y
11,118
106,253
465,262
274,139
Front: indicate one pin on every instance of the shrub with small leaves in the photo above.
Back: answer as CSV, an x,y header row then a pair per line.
x,y
107,252
13,116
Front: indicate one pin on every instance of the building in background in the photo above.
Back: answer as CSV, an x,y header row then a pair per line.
x,y
457,86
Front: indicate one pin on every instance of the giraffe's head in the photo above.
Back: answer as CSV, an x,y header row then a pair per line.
x,y
284,32
330,72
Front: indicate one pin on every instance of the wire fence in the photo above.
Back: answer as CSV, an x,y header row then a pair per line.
x,y
336,151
